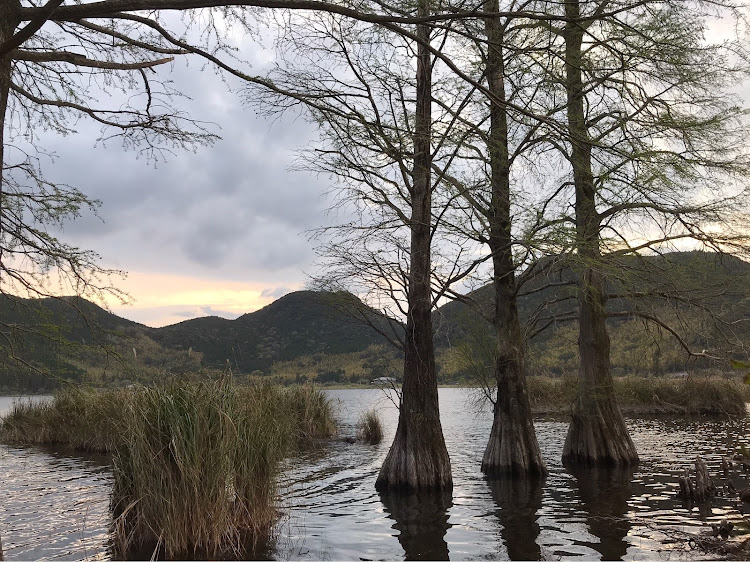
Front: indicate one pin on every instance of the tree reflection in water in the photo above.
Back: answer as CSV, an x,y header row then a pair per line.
x,y
604,493
519,500
422,519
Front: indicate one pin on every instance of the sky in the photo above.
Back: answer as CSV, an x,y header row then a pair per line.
x,y
221,231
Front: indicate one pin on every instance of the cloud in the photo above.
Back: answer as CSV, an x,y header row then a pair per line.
x,y
274,293
231,212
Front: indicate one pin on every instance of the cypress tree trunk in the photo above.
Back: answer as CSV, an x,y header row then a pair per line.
x,y
512,448
9,20
418,458
10,17
597,433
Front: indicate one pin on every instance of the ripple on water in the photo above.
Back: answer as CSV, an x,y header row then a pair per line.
x,y
56,506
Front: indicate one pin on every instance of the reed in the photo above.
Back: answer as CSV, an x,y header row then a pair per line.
x,y
81,418
196,474
370,428
552,394
699,395
691,395
312,411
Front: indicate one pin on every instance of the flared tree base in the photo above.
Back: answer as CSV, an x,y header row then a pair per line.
x,y
598,436
418,460
513,449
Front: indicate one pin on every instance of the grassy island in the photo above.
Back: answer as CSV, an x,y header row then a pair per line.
x,y
195,465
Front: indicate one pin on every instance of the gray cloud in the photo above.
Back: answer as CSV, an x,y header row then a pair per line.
x,y
231,211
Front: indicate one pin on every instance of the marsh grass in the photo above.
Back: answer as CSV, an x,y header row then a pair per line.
x,y
691,395
195,465
81,418
312,411
649,395
370,428
552,393
196,474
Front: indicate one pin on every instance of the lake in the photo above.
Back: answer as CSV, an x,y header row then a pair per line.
x,y
56,505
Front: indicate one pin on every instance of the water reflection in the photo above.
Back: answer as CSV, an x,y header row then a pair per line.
x,y
604,494
519,500
55,506
422,519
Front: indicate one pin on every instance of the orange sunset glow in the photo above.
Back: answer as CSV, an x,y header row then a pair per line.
x,y
161,299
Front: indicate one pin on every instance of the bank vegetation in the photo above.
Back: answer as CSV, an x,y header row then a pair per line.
x,y
688,395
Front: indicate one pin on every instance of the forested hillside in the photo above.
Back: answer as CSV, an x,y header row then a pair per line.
x,y
319,336
297,324
696,296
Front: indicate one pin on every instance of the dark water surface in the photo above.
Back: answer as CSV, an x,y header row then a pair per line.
x,y
53,505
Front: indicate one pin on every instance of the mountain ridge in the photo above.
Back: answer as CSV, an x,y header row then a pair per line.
x,y
306,323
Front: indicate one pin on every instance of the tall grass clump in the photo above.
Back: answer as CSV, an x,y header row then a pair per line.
x,y
369,428
312,411
195,475
81,418
195,464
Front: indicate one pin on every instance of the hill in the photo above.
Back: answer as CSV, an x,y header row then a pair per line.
x,y
76,339
703,296
80,318
43,339
300,323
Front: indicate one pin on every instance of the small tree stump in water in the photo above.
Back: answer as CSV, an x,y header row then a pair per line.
x,y
723,529
702,489
687,488
726,466
704,486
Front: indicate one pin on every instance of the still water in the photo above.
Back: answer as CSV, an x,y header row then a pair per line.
x,y
54,506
